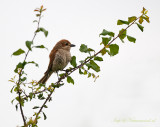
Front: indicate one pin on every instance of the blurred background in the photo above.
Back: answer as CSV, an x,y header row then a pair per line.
x,y
126,94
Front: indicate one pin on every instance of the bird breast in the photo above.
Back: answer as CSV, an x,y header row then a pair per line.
x,y
62,58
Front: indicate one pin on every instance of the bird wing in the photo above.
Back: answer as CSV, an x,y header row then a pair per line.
x,y
52,57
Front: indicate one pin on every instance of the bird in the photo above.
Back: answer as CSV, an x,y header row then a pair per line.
x,y
59,56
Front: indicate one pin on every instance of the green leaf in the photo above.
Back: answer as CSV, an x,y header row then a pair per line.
x,y
45,117
131,19
105,32
12,101
40,46
85,72
131,39
20,65
35,107
140,27
83,48
73,61
121,22
16,107
105,40
140,20
20,100
40,96
15,89
98,58
57,85
44,31
18,52
80,71
70,80
114,48
122,34
93,75
81,61
144,11
45,106
12,89
35,21
146,18
23,79
30,96
61,75
28,44
93,65
32,62
90,50
89,75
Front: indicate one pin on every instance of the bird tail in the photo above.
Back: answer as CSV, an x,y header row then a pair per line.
x,y
44,79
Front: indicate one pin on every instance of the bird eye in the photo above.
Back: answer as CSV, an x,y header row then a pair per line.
x,y
66,43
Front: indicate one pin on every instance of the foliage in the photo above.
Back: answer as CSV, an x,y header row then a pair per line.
x,y
28,91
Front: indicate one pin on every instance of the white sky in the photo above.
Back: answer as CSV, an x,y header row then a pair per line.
x,y
129,83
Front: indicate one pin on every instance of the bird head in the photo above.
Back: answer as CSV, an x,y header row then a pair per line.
x,y
64,44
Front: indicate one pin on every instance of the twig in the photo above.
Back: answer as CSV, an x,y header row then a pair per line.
x,y
123,30
43,105
86,61
19,96
79,66
20,74
103,47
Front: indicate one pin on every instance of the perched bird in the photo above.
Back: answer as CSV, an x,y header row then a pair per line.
x,y
60,56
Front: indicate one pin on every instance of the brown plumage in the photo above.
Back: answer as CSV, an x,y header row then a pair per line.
x,y
60,56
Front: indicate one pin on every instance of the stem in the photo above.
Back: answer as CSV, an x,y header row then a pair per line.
x,y
86,61
104,47
79,66
43,105
24,121
123,30
20,74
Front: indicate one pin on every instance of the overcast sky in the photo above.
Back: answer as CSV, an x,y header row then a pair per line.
x,y
129,84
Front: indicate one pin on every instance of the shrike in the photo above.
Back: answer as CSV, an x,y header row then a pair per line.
x,y
60,56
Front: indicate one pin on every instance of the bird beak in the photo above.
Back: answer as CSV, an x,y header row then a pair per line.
x,y
72,45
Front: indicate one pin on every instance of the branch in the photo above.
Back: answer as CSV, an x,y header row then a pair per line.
x,y
20,74
43,105
79,66
20,100
124,30
102,48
